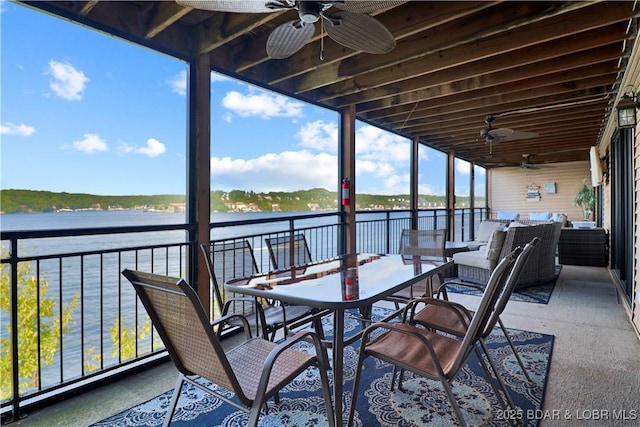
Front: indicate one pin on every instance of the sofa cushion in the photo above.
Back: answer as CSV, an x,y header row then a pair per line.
x,y
494,246
514,216
485,229
540,216
473,258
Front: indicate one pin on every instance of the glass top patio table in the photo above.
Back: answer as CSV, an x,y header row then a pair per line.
x,y
349,281
338,284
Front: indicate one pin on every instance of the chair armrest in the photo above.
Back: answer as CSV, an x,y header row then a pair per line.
x,y
460,311
442,287
226,319
271,359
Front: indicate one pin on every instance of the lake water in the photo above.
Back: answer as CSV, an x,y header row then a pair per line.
x,y
96,281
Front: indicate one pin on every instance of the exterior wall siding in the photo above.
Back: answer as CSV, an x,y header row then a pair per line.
x,y
508,189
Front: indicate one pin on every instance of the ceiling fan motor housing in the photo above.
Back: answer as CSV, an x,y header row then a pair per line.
x,y
309,11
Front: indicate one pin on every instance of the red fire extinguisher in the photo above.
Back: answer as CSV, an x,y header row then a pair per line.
x,y
345,192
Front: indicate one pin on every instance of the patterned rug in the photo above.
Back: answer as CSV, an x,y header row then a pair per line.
x,y
423,402
534,294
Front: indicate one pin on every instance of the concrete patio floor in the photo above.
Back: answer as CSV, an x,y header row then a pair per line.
x,y
594,376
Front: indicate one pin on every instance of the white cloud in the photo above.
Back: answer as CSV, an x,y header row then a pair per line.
x,y
286,171
153,148
374,143
463,167
217,77
66,81
13,129
263,105
90,143
178,83
319,135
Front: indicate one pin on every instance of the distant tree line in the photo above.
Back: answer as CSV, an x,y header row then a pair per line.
x,y
24,201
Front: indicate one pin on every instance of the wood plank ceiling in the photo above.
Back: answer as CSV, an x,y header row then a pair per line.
x,y
551,68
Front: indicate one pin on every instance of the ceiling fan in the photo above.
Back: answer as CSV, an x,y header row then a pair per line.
x,y
528,164
493,135
350,26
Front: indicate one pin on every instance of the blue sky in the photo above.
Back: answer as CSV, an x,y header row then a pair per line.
x,y
85,112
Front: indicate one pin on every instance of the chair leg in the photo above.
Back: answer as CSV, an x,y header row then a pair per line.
x,y
515,352
174,401
356,385
492,376
453,402
503,386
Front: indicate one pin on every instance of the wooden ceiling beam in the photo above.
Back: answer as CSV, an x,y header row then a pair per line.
x,y
540,126
586,88
525,39
443,83
402,21
552,81
223,28
166,14
390,107
455,34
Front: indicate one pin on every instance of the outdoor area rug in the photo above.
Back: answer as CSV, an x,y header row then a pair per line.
x,y
534,294
423,402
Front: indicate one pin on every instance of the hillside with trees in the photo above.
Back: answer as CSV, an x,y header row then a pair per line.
x,y
315,199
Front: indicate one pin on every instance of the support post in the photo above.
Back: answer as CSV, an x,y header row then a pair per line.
x,y
451,195
199,172
413,182
347,169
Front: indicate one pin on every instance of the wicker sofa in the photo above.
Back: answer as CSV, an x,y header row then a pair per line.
x,y
476,266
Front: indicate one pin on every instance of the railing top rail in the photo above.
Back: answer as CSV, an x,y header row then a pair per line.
x,y
67,232
274,219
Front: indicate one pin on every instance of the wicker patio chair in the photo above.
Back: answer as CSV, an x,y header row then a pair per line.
x,y
431,355
439,317
254,371
288,251
228,260
429,245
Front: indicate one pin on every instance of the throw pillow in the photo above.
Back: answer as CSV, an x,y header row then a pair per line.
x,y
539,216
514,216
494,246
486,228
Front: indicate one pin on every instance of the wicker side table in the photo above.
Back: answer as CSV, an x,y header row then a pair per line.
x,y
579,246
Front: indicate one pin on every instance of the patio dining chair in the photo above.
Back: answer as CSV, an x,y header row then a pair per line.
x,y
429,245
288,251
440,318
235,259
428,354
254,371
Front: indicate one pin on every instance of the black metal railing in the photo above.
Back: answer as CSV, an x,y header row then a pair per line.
x,y
65,290
68,316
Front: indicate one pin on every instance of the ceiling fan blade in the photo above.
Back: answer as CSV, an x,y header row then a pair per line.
x,y
360,32
235,6
288,38
366,6
517,134
510,134
501,133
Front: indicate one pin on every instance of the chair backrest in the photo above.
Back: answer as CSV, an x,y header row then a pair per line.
x,y
227,260
181,322
493,289
288,251
428,244
511,281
